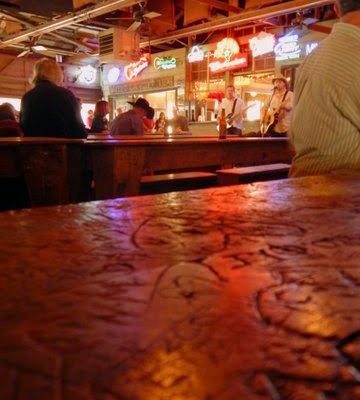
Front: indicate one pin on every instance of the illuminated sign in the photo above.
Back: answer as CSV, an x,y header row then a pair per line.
x,y
87,75
310,47
261,44
288,48
113,75
132,70
165,63
226,48
227,56
238,61
195,54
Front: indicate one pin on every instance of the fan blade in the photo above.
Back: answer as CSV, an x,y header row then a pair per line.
x,y
152,14
119,19
134,26
23,53
39,48
45,53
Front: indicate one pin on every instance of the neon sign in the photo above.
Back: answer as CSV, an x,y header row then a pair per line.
x,y
238,61
113,75
288,48
310,47
132,70
261,44
227,56
195,54
165,63
88,75
226,48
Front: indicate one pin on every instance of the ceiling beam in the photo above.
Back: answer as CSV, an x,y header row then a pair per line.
x,y
243,18
68,19
30,24
220,5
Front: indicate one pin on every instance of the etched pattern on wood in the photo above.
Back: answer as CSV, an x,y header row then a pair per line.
x,y
245,292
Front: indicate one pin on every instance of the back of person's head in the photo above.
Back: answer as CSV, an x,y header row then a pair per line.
x,y
150,113
7,112
347,6
101,108
48,70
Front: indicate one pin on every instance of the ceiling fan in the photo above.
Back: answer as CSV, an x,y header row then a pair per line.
x,y
139,17
34,48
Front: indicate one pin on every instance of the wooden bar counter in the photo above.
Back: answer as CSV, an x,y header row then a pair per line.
x,y
247,292
119,164
54,169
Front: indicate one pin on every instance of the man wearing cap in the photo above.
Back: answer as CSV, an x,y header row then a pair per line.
x,y
131,122
280,105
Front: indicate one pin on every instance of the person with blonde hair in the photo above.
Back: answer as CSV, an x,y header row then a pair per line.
x,y
49,110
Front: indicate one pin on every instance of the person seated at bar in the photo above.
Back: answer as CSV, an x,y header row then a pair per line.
x,y
160,123
8,124
90,118
49,110
100,123
148,121
131,122
325,130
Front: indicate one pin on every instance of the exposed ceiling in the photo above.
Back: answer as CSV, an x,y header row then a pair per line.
x,y
73,30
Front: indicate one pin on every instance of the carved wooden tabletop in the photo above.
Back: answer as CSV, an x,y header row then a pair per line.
x,y
238,293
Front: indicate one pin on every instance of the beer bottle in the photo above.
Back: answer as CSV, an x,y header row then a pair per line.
x,y
222,125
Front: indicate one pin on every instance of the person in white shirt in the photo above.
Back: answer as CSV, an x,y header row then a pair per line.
x,y
280,105
234,108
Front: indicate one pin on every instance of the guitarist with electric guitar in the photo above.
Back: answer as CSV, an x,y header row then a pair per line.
x,y
276,114
234,110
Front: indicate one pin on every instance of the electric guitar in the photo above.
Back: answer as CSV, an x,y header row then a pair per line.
x,y
231,117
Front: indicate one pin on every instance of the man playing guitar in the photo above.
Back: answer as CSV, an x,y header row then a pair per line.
x,y
234,109
276,114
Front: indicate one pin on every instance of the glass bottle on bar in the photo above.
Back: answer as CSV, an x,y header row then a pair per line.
x,y
222,125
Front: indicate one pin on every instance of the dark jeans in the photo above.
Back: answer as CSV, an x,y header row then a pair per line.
x,y
234,131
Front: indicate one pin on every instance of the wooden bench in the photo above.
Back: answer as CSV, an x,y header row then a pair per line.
x,y
233,176
176,181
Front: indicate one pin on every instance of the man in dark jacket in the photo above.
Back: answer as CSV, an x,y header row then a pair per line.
x,y
49,109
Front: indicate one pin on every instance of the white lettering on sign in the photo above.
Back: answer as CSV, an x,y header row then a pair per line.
x,y
310,47
239,61
288,48
262,44
195,54
132,70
